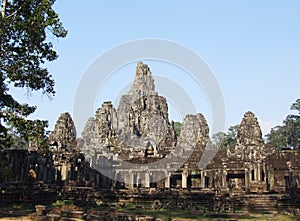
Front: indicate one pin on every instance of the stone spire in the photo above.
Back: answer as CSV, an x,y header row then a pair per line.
x,y
91,140
193,138
249,132
194,131
143,84
107,121
143,114
140,121
250,144
64,134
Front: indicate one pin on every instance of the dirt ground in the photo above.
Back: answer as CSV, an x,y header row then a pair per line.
x,y
15,214
20,218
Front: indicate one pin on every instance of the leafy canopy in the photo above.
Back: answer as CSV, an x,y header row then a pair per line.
x,y
224,140
177,128
24,49
288,134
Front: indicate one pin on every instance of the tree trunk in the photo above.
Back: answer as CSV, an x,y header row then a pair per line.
x,y
4,2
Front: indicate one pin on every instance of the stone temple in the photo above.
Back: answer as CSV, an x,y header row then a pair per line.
x,y
133,149
140,120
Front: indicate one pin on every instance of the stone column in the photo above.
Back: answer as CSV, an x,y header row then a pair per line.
x,y
56,173
147,179
167,181
224,183
264,170
115,181
68,175
138,177
247,180
259,171
131,177
184,179
272,180
64,172
202,179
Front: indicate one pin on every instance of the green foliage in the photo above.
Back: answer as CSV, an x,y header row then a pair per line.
x,y
288,134
177,128
223,140
24,49
218,138
13,141
278,137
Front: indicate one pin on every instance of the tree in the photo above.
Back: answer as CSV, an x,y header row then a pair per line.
x,y
223,140
24,50
218,138
288,134
177,128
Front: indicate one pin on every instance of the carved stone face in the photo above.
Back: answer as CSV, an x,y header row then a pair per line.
x,y
64,132
249,131
250,144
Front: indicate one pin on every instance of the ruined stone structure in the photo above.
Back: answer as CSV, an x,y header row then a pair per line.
x,y
283,171
138,132
144,114
242,167
141,121
64,135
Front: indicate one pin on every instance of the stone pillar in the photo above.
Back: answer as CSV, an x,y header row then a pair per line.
x,y
184,179
64,172
167,181
272,180
115,181
138,177
57,170
259,171
202,179
68,175
131,177
264,170
147,180
247,180
224,183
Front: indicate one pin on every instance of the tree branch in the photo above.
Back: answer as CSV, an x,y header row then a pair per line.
x,y
15,12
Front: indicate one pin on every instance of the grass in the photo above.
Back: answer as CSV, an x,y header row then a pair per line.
x,y
16,206
164,214
168,214
60,203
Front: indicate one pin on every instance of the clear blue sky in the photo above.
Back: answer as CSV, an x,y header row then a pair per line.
x,y
253,48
